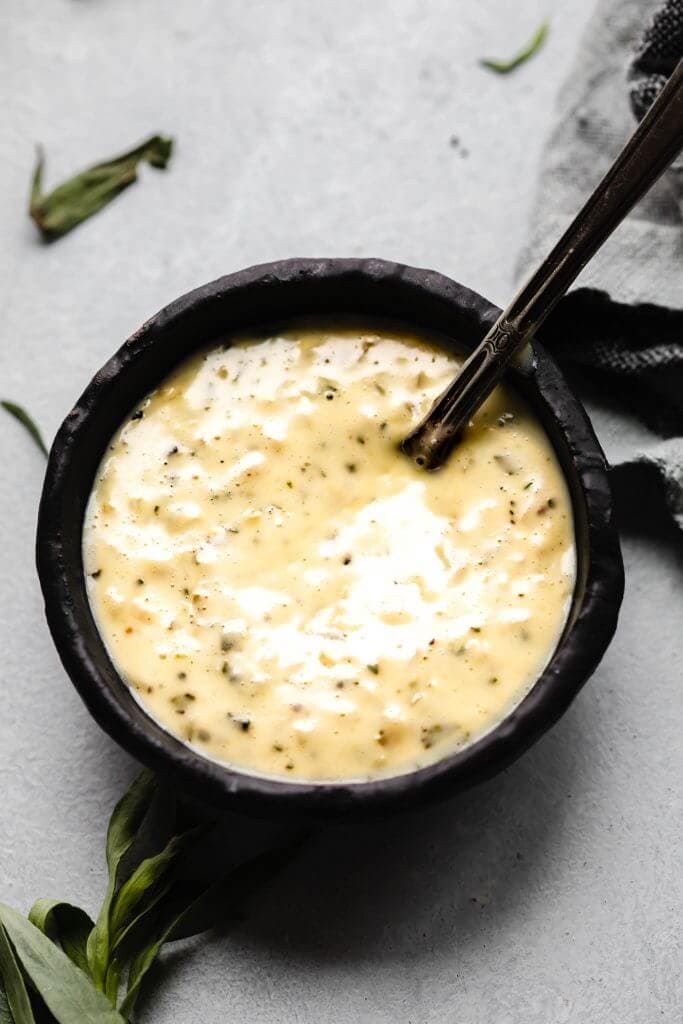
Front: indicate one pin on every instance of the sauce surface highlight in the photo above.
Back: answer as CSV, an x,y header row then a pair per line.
x,y
286,592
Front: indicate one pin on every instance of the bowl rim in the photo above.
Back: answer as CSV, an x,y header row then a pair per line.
x,y
578,652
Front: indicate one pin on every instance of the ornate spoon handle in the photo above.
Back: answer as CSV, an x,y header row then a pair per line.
x,y
649,151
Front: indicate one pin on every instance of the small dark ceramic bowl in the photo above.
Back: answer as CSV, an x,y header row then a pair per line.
x,y
249,299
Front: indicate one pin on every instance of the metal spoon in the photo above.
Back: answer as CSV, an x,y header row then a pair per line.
x,y
649,151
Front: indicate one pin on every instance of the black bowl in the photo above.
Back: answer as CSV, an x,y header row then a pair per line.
x,y
251,298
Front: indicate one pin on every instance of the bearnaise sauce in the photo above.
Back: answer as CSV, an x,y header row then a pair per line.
x,y
286,592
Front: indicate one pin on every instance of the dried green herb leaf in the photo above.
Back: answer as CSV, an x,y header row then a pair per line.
x,y
502,67
23,417
124,825
72,202
65,924
67,992
15,994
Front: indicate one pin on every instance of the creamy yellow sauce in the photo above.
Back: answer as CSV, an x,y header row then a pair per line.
x,y
286,592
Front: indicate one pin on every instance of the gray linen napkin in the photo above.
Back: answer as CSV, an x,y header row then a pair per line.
x,y
620,334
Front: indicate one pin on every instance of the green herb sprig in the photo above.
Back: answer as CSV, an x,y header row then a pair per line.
x,y
29,425
59,967
503,67
75,200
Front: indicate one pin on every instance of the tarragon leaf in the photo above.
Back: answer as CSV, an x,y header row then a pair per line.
x,y
65,924
26,421
124,825
67,992
502,67
5,1015
15,994
126,940
195,909
136,899
111,982
69,204
144,883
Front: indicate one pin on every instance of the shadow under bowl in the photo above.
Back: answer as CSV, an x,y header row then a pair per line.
x,y
249,299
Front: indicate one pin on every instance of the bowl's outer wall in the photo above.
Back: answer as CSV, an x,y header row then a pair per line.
x,y
265,295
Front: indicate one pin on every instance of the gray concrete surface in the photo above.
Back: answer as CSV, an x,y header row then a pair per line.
x,y
549,895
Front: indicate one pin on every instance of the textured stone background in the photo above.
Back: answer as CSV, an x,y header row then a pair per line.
x,y
313,127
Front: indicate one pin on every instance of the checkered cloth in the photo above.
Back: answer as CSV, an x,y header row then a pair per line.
x,y
620,335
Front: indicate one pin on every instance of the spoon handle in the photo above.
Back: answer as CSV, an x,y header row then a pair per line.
x,y
649,151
